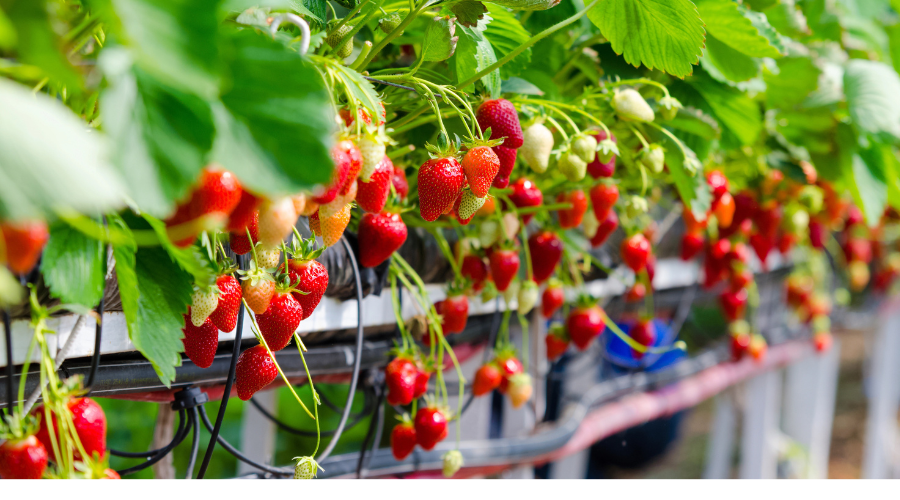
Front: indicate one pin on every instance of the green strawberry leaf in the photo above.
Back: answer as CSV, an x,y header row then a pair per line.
x,y
473,53
869,187
176,41
469,12
725,21
731,64
506,33
275,108
872,89
74,266
696,122
192,259
440,40
737,112
36,181
154,296
162,135
797,78
660,34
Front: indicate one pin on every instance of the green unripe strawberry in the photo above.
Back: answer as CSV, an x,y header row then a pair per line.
x,y
306,468
585,147
654,158
452,462
630,105
572,166
668,107
390,23
469,204
528,295
335,38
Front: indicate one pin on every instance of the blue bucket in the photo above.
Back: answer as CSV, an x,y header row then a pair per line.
x,y
618,353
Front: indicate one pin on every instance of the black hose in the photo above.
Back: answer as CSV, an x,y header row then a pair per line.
x,y
195,444
369,433
98,336
357,358
357,417
10,369
144,454
236,350
162,452
237,454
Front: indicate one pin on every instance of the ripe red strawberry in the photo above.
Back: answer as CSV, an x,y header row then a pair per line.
x,y
740,344
738,253
421,386
371,196
597,168
309,276
635,252
636,293
583,324
239,242
509,366
500,116
224,317
383,234
200,343
474,268
89,422
733,303
741,279
400,377
552,299
398,179
768,218
487,378
571,217
255,370
821,341
817,233
507,157
403,440
481,165
439,181
718,183
643,332
606,228
24,458
24,242
354,153
342,165
218,192
431,427
744,208
691,244
278,324
603,198
762,245
858,249
244,214
546,251
454,311
557,343
504,266
799,289
526,194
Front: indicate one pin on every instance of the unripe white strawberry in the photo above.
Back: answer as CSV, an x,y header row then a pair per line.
x,y
585,147
489,233
630,105
268,257
572,166
469,204
590,224
372,147
452,462
528,296
512,292
536,148
654,158
203,303
668,107
276,220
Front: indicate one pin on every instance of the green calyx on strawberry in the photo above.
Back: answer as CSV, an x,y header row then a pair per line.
x,y
607,149
669,106
306,468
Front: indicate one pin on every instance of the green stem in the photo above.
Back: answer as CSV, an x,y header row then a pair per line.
x,y
410,17
300,349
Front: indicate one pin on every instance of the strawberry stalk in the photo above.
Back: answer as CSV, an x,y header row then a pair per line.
x,y
262,341
644,277
448,254
528,271
300,348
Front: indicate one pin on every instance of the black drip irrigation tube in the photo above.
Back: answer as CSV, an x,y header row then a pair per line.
x,y
235,351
